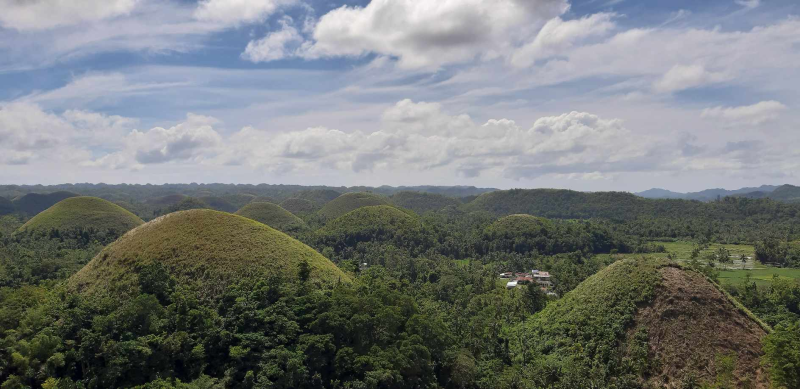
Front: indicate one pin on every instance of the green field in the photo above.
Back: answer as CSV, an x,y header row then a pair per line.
x,y
762,275
734,273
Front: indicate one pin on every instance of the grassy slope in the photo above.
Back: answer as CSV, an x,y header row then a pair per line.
x,y
272,215
319,197
423,202
761,274
83,213
212,248
349,202
371,221
167,200
298,206
587,335
518,225
582,330
219,204
33,203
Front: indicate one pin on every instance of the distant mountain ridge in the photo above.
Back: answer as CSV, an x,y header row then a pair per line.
x,y
708,194
786,193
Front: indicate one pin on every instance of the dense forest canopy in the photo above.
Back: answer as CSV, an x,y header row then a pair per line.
x,y
385,296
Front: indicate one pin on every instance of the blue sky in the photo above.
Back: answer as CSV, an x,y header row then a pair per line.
x,y
588,95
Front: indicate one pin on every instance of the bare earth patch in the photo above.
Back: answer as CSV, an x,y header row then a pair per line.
x,y
690,324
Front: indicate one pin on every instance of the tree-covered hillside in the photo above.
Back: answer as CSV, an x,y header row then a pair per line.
x,y
384,297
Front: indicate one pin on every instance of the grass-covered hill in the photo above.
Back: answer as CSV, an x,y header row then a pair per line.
x,y
33,203
525,233
82,213
219,204
208,249
239,199
349,202
167,200
319,197
369,224
666,216
560,204
513,226
264,199
642,323
299,207
423,202
6,206
787,193
273,215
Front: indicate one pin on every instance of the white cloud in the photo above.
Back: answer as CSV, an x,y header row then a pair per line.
x,y
150,27
558,35
233,12
681,77
421,136
666,59
276,45
194,140
92,86
45,14
27,133
755,114
422,33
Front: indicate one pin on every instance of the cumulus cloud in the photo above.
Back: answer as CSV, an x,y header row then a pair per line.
x,y
28,133
194,139
422,136
422,33
755,114
233,12
45,14
276,45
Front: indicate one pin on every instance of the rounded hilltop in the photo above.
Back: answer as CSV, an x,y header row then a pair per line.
x,y
421,202
349,202
33,203
167,200
519,225
299,207
82,213
206,248
272,215
645,322
372,223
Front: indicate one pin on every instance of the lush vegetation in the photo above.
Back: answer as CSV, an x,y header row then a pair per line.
x,y
273,216
423,202
77,214
575,341
381,296
526,233
218,204
167,200
204,247
372,224
318,197
300,207
6,206
349,202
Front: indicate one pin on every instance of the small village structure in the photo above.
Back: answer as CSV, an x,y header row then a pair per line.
x,y
541,278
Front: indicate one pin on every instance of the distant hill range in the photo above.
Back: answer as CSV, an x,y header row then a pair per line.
x,y
781,193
